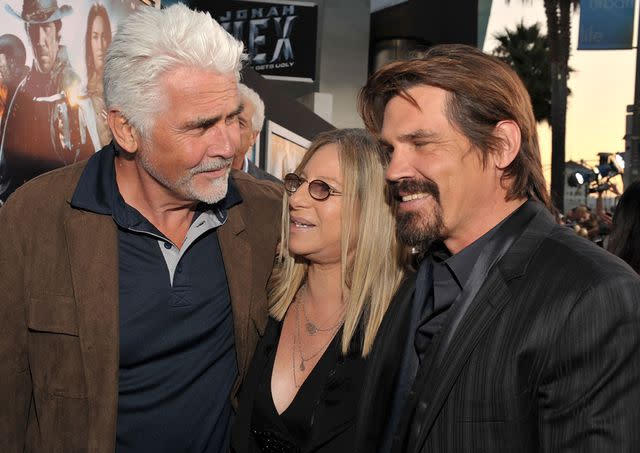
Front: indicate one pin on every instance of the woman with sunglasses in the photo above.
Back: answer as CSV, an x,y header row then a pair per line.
x,y
329,291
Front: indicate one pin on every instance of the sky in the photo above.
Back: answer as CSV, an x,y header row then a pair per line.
x,y
602,86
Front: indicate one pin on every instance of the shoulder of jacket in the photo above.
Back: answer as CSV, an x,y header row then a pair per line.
x,y
51,187
256,189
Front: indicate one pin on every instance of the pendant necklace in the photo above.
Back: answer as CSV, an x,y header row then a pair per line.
x,y
296,351
311,327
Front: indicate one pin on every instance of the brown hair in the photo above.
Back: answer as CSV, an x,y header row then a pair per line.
x,y
482,91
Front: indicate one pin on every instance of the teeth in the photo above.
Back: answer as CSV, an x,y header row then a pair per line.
x,y
301,225
414,196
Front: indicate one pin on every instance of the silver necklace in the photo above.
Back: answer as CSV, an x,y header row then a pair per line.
x,y
310,326
296,351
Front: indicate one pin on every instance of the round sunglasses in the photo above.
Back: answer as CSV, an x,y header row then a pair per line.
x,y
318,189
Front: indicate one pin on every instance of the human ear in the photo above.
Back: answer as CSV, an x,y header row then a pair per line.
x,y
508,133
123,133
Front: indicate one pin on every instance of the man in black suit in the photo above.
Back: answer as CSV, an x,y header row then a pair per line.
x,y
516,335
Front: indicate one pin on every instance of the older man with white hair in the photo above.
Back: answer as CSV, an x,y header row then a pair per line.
x,y
251,121
133,284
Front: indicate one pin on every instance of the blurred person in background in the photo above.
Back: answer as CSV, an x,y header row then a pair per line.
x,y
251,121
624,240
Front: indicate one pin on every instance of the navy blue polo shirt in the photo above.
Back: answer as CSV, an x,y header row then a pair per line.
x,y
177,352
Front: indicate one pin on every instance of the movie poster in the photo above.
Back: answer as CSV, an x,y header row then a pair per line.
x,y
280,36
52,112
285,150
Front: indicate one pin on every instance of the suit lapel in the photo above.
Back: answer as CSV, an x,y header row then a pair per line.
x,y
382,369
435,385
92,246
236,254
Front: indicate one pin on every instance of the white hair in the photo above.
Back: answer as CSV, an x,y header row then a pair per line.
x,y
258,112
153,41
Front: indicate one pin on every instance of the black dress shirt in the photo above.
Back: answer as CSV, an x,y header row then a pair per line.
x,y
449,276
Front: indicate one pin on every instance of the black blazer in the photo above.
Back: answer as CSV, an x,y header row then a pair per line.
x,y
333,425
545,359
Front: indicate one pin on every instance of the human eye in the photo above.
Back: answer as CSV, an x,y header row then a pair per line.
x,y
233,119
387,149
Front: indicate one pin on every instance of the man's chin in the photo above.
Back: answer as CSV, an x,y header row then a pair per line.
x,y
212,194
414,230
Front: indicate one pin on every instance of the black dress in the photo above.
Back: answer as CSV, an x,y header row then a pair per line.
x,y
321,417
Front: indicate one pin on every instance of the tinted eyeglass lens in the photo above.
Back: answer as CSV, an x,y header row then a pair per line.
x,y
292,182
319,190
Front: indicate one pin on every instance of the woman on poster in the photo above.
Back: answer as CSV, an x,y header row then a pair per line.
x,y
97,40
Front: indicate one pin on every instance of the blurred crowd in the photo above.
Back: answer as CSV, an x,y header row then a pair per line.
x,y
617,230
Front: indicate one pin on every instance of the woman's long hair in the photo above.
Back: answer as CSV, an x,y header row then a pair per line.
x,y
372,275
624,240
96,11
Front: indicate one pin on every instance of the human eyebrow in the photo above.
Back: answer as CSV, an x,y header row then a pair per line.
x,y
329,180
419,134
202,123
206,123
237,111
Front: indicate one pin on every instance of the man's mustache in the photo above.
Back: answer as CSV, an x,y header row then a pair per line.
x,y
410,186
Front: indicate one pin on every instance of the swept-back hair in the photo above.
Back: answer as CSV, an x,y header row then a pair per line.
x,y
372,275
258,112
153,41
624,240
481,92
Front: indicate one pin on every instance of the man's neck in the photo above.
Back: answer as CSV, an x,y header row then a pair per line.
x,y
482,222
169,214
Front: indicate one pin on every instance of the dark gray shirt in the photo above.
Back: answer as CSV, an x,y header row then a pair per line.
x,y
177,349
450,274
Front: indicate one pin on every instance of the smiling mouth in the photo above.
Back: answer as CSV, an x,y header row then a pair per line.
x,y
301,225
414,196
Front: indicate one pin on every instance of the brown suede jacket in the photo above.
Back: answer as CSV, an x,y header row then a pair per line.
x,y
59,309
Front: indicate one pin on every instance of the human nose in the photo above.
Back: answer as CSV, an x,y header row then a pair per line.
x,y
223,141
42,37
399,166
301,197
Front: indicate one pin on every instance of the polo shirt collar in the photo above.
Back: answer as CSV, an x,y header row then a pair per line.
x,y
97,191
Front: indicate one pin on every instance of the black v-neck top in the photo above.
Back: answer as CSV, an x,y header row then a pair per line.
x,y
322,416
294,424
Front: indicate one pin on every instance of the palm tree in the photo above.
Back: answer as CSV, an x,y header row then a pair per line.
x,y
527,52
558,13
